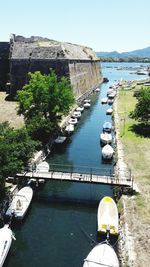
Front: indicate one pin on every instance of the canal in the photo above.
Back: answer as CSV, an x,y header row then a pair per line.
x,y
61,226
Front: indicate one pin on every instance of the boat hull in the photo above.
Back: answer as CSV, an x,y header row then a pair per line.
x,y
5,243
107,216
101,255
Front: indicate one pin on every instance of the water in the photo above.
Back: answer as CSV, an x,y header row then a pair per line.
x,y
61,224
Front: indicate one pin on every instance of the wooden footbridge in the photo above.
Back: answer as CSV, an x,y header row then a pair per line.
x,y
80,174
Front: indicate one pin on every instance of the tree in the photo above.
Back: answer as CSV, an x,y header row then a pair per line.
x,y
16,149
43,102
141,112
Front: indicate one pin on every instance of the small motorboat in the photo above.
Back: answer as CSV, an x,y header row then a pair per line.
x,y
97,89
107,127
112,95
80,109
87,100
107,152
109,111
110,101
104,100
42,167
106,138
110,91
76,114
69,128
101,255
60,139
73,121
6,236
20,203
107,216
87,105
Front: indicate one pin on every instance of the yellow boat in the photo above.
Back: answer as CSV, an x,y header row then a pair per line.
x,y
107,216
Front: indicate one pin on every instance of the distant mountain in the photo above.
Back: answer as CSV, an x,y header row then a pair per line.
x,y
144,53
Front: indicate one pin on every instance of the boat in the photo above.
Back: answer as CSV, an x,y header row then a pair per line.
x,y
69,128
110,101
107,127
42,167
73,121
101,255
6,236
76,114
20,203
107,152
97,89
80,109
104,100
107,216
105,80
106,138
60,139
87,105
109,111
112,95
87,101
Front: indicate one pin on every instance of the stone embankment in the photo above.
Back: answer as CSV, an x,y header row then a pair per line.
x,y
126,242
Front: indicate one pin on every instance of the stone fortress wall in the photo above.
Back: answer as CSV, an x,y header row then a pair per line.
x,y
80,64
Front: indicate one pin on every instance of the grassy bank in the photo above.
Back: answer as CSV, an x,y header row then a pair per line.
x,y
136,149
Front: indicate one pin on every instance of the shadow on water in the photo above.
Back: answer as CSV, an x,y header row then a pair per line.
x,y
141,129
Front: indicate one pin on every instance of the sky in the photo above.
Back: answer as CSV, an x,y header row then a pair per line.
x,y
103,25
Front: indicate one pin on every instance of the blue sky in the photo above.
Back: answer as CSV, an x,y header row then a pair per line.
x,y
104,25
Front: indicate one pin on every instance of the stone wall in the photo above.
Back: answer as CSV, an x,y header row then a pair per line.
x,y
4,64
78,63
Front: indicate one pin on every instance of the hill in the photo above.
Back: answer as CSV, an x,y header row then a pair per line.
x,y
143,53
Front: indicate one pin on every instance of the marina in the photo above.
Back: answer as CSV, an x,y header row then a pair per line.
x,y
78,221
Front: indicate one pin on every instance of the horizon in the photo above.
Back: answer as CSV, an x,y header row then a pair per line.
x,y
103,26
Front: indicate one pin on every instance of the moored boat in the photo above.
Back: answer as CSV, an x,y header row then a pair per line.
x,y
97,89
107,126
109,111
60,139
6,236
69,128
42,167
73,121
87,105
76,114
101,255
107,152
106,138
20,203
104,100
107,216
80,109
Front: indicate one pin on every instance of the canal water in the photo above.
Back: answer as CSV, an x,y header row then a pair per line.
x,y
61,226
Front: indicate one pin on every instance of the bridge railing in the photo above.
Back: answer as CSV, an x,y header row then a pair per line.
x,y
81,169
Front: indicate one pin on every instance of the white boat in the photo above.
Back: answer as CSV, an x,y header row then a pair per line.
x,y
101,255
97,89
76,114
110,101
87,105
60,139
107,126
106,138
87,100
107,152
73,121
69,128
112,95
107,216
6,236
110,91
80,109
42,167
104,100
109,111
20,203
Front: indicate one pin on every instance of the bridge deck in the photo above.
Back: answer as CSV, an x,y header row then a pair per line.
x,y
77,177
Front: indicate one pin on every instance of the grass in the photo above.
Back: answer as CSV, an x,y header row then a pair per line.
x,y
8,112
